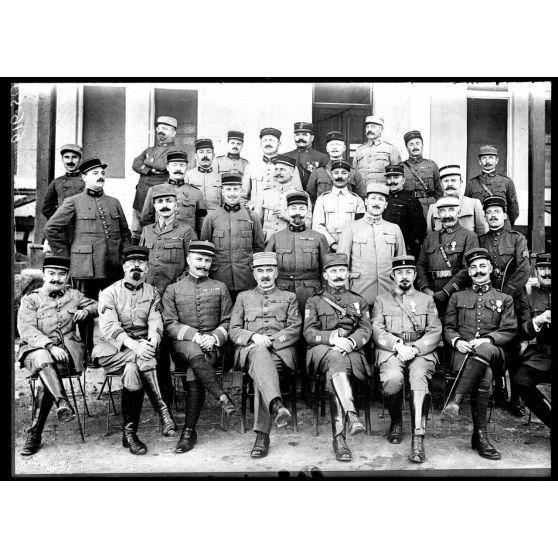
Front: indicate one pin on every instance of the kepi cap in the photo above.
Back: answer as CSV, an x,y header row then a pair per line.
x,y
264,258
177,157
163,190
231,179
270,132
330,136
542,259
448,170
91,163
400,262
372,119
394,169
341,165
339,258
413,134
448,201
488,150
58,262
235,134
296,197
375,187
494,200
71,147
475,254
202,247
168,120
285,159
304,127
203,143
135,253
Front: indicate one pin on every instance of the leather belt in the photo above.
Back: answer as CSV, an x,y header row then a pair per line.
x,y
409,336
443,273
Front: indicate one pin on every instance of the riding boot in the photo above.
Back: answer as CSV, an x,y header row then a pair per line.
x,y
52,382
342,452
132,402
452,408
419,415
344,392
195,397
393,403
479,440
34,434
149,380
515,405
538,404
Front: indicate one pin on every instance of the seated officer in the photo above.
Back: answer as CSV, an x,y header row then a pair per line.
x,y
336,328
406,331
480,321
43,313
197,313
533,319
265,326
131,329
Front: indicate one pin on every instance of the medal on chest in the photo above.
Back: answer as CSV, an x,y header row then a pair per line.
x,y
413,305
357,308
452,245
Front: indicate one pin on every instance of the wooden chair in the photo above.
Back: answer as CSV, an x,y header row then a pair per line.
x,y
109,377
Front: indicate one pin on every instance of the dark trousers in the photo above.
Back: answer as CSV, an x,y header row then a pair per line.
x,y
525,380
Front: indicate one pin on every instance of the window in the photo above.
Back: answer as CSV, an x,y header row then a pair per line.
x,y
344,93
104,127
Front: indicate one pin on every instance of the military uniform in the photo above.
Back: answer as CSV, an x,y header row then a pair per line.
x,y
321,181
437,273
470,216
370,244
59,189
422,181
237,234
190,206
231,164
307,160
334,211
271,312
261,178
493,184
406,212
208,181
371,159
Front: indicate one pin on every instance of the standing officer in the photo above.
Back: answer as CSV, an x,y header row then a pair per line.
x,y
534,322
441,269
190,208
69,184
490,183
422,178
321,179
237,235
265,326
307,158
167,242
300,251
232,162
404,210
262,172
511,271
131,330
204,175
480,322
336,328
91,229
406,331
371,158
196,314
470,215
271,205
151,164
370,244
45,319
339,207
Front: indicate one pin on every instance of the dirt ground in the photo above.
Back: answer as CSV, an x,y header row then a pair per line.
x,y
297,454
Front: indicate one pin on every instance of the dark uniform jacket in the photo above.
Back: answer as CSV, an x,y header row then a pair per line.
x,y
480,312
404,210
168,249
40,315
493,184
321,320
151,164
321,181
237,235
390,323
306,161
510,259
538,354
300,258
100,233
432,269
193,306
190,206
273,313
59,189
427,170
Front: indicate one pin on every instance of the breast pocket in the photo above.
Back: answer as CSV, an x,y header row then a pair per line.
x,y
466,312
329,318
281,316
251,321
187,209
379,161
394,320
86,223
389,244
245,239
219,239
172,251
311,256
284,257
141,311
490,314
359,247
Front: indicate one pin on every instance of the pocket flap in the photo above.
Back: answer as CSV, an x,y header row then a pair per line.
x,y
465,304
83,249
219,234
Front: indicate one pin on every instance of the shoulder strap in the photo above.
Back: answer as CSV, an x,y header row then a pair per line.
x,y
406,163
333,305
406,310
443,250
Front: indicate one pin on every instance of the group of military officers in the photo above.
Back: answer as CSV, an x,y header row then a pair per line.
x,y
285,260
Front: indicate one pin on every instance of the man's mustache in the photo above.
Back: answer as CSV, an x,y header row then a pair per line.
x,y
546,276
205,158
479,274
339,179
339,280
266,279
301,140
201,268
376,207
55,283
178,172
137,269
448,219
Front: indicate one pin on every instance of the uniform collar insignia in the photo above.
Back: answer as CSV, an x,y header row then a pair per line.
x,y
56,294
196,279
233,156
205,170
133,288
335,290
490,174
235,207
266,291
176,182
71,174
485,287
297,228
94,193
416,160
373,219
267,159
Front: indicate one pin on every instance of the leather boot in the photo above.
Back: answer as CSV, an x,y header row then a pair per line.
x,y
34,434
342,387
516,406
342,451
132,402
149,380
500,391
419,414
261,446
187,441
393,403
52,382
452,408
340,448
281,413
479,440
538,404
417,454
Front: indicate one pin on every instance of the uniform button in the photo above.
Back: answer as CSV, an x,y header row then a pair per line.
x,y
478,320
266,328
291,276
